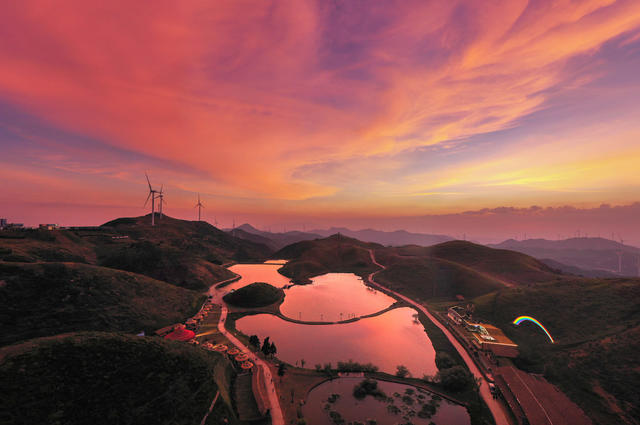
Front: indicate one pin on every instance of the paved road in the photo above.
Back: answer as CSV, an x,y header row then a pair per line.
x,y
497,408
274,403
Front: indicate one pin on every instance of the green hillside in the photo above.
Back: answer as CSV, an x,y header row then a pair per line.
x,y
50,298
426,277
94,378
183,253
457,268
335,254
596,325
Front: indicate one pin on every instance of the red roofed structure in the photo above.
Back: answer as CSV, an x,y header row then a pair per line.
x,y
180,333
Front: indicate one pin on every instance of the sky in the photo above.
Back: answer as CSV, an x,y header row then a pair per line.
x,y
303,113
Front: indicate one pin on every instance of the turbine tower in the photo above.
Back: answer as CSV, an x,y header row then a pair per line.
x,y
152,195
161,200
199,206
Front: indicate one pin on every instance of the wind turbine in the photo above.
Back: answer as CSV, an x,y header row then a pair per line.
x,y
152,195
199,206
162,201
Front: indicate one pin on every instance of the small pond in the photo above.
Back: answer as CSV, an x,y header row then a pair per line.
x,y
394,403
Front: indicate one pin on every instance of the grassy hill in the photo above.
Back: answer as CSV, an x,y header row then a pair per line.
x,y
44,299
457,268
94,378
596,325
335,254
258,294
184,253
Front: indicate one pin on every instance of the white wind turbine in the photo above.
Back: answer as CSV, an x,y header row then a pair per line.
x,y
161,200
199,206
152,195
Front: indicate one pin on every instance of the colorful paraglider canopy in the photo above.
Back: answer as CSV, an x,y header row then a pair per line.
x,y
246,365
521,319
233,351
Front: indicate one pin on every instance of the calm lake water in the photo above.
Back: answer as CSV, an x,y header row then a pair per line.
x,y
267,272
402,404
387,341
333,297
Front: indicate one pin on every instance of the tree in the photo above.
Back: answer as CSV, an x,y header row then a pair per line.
x,y
281,369
302,362
455,378
254,341
266,346
272,349
444,360
402,371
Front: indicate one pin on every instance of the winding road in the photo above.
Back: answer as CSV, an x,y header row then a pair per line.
x,y
497,409
274,404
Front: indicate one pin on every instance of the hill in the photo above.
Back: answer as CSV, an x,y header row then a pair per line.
x,y
596,325
566,269
335,254
584,253
395,238
257,294
94,378
457,268
183,253
274,240
50,298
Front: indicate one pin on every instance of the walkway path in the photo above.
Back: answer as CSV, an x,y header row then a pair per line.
x,y
497,409
262,366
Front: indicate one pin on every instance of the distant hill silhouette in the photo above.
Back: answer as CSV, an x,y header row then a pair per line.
x,y
395,238
275,241
584,253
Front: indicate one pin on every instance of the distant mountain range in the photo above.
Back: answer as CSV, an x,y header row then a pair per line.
x,y
592,255
396,238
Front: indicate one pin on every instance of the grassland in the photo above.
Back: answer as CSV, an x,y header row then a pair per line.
x,y
95,378
596,325
44,299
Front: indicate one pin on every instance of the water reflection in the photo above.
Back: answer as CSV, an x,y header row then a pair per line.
x,y
387,340
333,297
399,402
267,272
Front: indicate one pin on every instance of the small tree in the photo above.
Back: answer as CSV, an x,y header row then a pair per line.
x,y
266,346
254,341
272,349
402,371
455,378
302,362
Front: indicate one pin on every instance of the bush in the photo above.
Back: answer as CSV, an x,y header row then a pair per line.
x,y
456,378
368,387
444,361
402,371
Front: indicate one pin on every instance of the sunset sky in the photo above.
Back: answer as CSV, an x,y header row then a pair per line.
x,y
316,113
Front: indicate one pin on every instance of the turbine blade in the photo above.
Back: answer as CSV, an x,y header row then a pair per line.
x,y
148,182
145,202
161,186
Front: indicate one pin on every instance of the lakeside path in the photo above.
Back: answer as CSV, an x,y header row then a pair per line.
x,y
497,409
274,404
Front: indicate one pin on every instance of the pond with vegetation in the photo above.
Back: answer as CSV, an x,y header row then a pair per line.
x,y
386,341
360,401
265,272
333,297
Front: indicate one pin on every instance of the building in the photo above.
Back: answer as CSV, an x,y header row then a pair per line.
x,y
48,226
3,223
494,341
455,314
